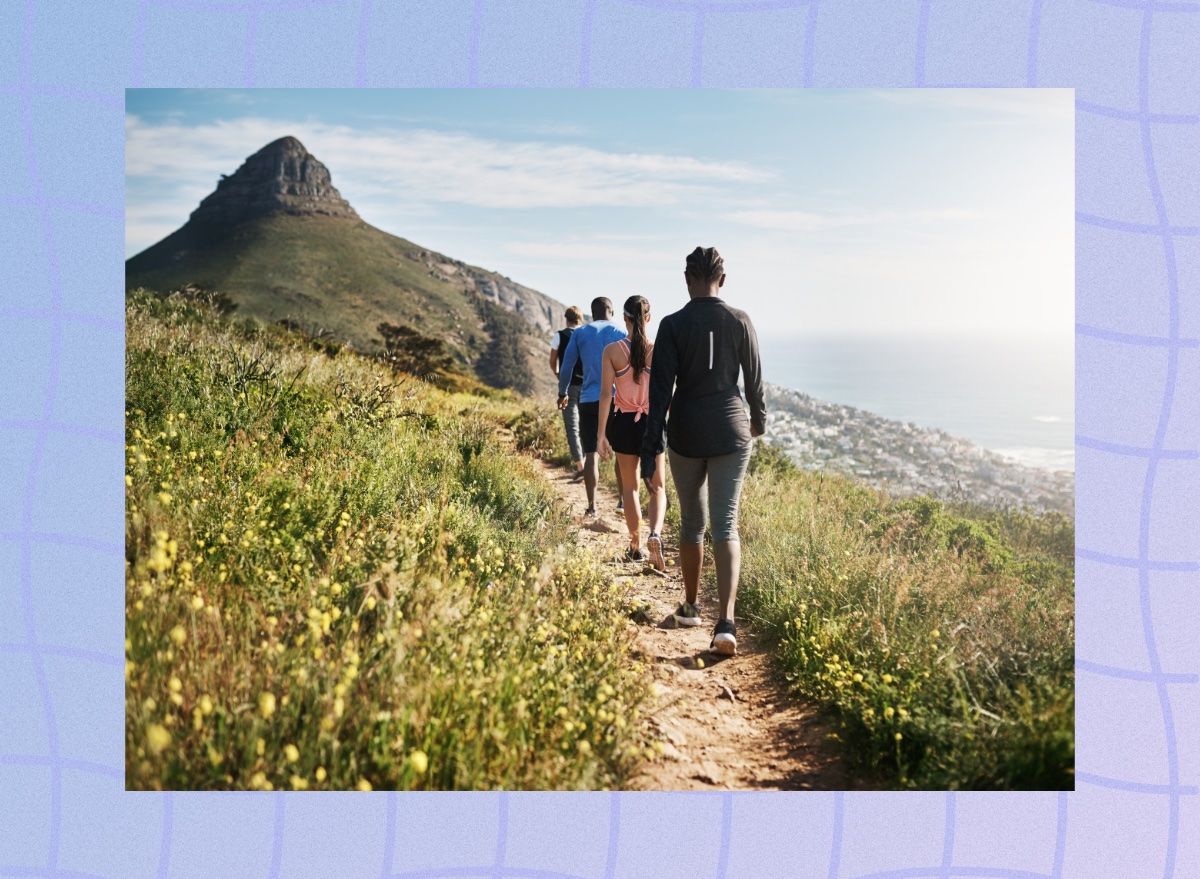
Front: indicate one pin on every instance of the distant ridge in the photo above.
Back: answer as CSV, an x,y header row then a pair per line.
x,y
278,238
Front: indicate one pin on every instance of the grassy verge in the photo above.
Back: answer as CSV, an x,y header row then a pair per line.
x,y
338,579
941,640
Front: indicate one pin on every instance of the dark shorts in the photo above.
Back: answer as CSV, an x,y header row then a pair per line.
x,y
589,424
625,434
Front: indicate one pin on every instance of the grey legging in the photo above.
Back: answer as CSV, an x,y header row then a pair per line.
x,y
570,417
724,474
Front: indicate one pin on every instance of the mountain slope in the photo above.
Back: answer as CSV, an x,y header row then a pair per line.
x,y
282,243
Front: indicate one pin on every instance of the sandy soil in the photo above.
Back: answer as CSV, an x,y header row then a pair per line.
x,y
726,722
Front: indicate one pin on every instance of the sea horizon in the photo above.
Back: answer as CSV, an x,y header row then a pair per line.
x,y
1013,395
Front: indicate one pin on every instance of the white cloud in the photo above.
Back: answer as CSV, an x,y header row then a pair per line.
x,y
809,221
1037,105
430,165
599,249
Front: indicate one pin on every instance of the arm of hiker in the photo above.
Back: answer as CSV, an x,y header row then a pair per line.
x,y
607,376
752,376
570,358
662,384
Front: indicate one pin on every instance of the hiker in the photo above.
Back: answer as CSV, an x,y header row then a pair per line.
x,y
697,355
570,412
626,365
586,346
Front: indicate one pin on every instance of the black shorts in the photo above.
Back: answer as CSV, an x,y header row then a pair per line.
x,y
624,433
589,424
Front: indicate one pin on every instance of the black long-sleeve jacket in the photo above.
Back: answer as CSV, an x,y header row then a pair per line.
x,y
697,355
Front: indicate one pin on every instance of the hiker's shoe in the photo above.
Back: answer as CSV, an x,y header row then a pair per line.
x,y
687,614
724,638
654,548
590,515
635,555
620,506
578,476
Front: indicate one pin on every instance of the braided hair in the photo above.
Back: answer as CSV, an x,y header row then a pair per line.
x,y
637,308
705,263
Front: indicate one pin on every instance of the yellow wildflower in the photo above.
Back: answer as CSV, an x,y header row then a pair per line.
x,y
363,784
178,635
157,738
418,761
299,783
292,753
266,704
320,773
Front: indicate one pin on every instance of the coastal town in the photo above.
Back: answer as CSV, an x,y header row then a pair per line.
x,y
904,459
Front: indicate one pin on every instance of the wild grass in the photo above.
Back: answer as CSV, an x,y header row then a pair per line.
x,y
940,640
338,578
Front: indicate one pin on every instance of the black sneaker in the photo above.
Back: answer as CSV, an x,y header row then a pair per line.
x,y
620,506
635,555
724,638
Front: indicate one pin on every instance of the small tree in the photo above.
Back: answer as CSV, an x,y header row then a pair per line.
x,y
406,350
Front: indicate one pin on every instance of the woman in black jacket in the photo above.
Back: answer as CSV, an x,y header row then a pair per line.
x,y
698,354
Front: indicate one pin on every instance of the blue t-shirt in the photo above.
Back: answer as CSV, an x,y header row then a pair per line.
x,y
587,345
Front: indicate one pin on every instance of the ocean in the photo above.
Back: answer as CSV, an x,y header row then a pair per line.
x,y
1015,396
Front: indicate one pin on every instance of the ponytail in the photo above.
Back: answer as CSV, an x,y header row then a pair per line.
x,y
636,309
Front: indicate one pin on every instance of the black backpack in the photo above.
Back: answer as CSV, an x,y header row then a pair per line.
x,y
564,336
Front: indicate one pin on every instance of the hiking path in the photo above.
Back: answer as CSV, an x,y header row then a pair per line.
x,y
726,723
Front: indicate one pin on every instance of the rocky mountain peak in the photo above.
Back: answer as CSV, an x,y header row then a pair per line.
x,y
281,177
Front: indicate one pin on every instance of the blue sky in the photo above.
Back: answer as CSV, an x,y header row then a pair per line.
x,y
837,211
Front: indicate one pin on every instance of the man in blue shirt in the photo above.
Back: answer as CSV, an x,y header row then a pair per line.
x,y
587,346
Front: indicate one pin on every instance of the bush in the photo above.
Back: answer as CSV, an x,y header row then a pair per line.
x,y
335,580
941,642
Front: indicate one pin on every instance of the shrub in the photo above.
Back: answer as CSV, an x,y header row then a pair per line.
x,y
321,593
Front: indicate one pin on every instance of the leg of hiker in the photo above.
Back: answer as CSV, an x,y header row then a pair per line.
x,y
589,418
591,475
725,475
657,505
619,471
627,466
728,557
570,417
689,476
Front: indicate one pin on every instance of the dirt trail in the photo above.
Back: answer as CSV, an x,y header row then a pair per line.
x,y
725,721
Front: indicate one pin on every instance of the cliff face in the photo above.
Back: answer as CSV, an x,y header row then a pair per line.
x,y
281,177
543,312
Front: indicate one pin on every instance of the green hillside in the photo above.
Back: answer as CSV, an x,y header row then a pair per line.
x,y
344,277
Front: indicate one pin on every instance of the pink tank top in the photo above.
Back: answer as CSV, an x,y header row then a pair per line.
x,y
633,396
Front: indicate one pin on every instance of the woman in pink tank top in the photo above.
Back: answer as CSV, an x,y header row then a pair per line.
x,y
625,367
